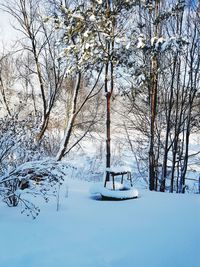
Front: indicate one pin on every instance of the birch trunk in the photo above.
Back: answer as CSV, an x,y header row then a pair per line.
x,y
72,117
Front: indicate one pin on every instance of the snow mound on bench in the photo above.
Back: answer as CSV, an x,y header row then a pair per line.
x,y
120,192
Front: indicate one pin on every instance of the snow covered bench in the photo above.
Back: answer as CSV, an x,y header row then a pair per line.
x,y
118,171
121,193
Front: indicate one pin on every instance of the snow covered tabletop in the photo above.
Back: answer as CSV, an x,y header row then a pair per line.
x,y
119,169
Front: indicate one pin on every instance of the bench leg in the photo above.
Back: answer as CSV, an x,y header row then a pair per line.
x,y
113,182
122,179
130,179
107,174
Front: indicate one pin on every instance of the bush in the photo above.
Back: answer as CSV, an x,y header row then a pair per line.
x,y
36,178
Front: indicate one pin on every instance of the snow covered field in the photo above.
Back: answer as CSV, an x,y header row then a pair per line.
x,y
155,230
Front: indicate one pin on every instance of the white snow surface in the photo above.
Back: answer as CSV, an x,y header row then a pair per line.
x,y
154,230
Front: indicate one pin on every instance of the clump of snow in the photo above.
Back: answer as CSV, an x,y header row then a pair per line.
x,y
153,40
78,16
174,42
92,18
119,169
120,192
86,34
141,79
157,42
141,42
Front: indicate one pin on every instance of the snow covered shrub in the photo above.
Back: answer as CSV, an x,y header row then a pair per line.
x,y
35,178
17,142
23,170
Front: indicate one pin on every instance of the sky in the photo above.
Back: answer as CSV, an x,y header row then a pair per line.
x,y
7,33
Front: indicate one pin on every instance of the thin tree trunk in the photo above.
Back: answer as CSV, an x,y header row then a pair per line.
x,y
67,135
166,149
43,127
153,96
108,137
108,92
194,70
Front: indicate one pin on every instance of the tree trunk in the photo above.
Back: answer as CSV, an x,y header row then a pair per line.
x,y
43,127
68,131
153,111
166,149
108,139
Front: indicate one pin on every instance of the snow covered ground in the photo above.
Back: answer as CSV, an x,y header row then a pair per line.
x,y
155,230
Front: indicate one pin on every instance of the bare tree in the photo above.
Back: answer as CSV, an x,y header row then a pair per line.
x,y
38,39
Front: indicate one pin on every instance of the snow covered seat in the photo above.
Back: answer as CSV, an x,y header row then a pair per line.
x,y
121,192
118,171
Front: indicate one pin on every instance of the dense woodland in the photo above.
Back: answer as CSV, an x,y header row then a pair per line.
x,y
92,69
